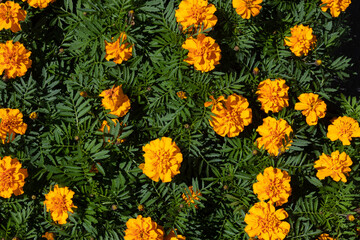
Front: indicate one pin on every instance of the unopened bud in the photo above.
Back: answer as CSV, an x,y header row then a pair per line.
x,y
236,48
226,187
350,217
33,116
76,138
141,207
33,197
254,152
148,88
61,50
256,71
181,205
186,126
318,62
5,78
114,207
180,28
83,94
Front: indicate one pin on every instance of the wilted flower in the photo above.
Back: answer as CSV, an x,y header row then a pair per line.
x,y
189,198
10,16
39,3
49,236
204,52
172,236
247,8
335,6
59,203
12,177
162,159
343,128
116,101
120,50
11,123
335,166
273,95
301,40
181,95
312,107
143,229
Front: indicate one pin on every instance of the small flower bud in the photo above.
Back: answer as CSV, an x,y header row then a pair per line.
x,y
33,197
236,48
84,13
132,23
148,89
76,138
114,207
318,62
254,152
33,116
225,187
256,71
61,50
350,217
180,28
141,207
181,205
83,94
186,126
5,78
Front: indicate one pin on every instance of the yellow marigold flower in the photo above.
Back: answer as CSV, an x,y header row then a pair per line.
x,y
273,185
325,236
196,14
143,229
301,40
273,134
172,236
162,159
39,3
190,198
49,236
181,95
12,177
344,129
204,52
14,59
59,203
335,6
350,217
11,123
247,8
33,116
116,101
10,16
335,166
273,95
231,116
312,107
265,223
120,50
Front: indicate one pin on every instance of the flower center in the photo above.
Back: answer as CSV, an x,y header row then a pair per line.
x,y
60,203
268,222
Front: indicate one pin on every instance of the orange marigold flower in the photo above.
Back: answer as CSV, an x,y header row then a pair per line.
x,y
120,50
190,197
181,95
335,6
273,95
116,101
231,116
265,223
301,40
273,134
143,229
173,236
247,8
325,236
204,52
59,203
11,123
343,128
14,59
10,16
162,159
273,185
39,3
49,236
335,166
12,177
196,14
313,107
33,115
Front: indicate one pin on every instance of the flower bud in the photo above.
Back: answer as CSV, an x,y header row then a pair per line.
x,y
254,152
33,116
225,187
236,48
256,71
318,62
141,207
114,207
350,217
33,197
83,94
76,138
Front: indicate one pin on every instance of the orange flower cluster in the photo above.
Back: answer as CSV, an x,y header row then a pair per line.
x,y
162,159
204,52
59,203
247,8
10,16
335,6
301,40
196,15
344,129
39,3
181,95
325,236
11,123
12,177
273,134
189,198
231,115
120,50
49,236
312,107
14,59
273,95
116,101
335,166
143,229
273,185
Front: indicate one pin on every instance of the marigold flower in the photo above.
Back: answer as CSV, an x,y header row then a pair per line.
x,y
143,229
247,8
273,185
11,123
116,101
204,52
350,217
49,236
231,116
189,199
343,128
14,59
335,166
162,159
194,14
273,95
39,3
335,6
313,107
301,40
120,50
12,177
181,95
265,223
59,203
325,236
33,115
273,134
10,16
172,236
